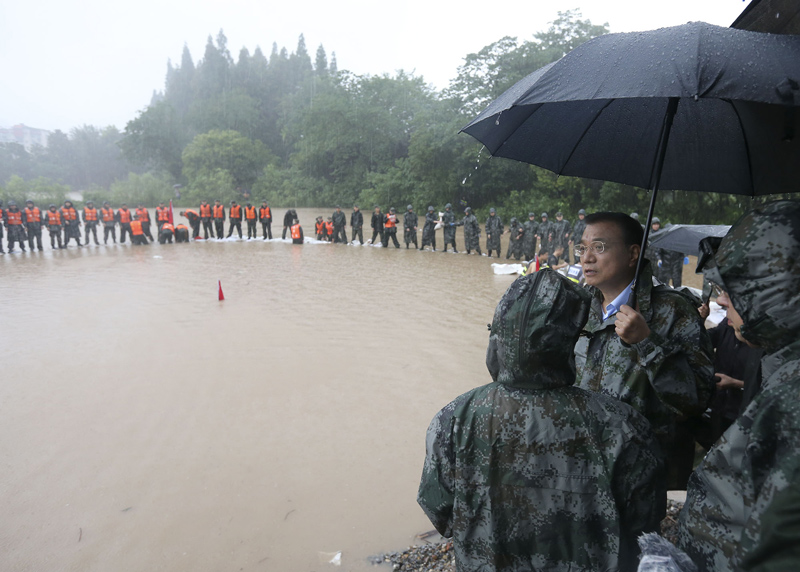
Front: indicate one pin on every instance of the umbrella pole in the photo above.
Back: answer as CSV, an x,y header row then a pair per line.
x,y
672,107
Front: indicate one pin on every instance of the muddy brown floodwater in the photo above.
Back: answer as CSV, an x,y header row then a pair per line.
x,y
144,425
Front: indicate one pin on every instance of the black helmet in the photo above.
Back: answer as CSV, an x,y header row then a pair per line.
x,y
530,215
409,207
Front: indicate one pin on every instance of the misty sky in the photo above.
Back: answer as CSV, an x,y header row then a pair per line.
x,y
66,63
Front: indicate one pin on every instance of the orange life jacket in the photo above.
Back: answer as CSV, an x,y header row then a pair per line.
x,y
14,218
143,215
205,211
264,213
162,214
320,226
108,214
136,228
391,221
33,215
167,226
69,214
192,211
236,212
182,227
219,211
124,216
53,218
296,231
90,215
250,213
329,226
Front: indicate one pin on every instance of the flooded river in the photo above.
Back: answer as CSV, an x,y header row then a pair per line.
x,y
144,425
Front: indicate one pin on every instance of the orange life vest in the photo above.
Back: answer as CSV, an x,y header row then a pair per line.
x,y
320,226
143,215
295,231
236,212
192,211
329,227
167,226
162,214
33,215
124,216
205,211
90,215
136,228
250,213
108,214
182,227
391,221
69,213
14,218
53,218
264,213
219,211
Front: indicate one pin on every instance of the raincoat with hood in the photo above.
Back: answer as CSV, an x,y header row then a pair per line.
x,y
529,472
758,457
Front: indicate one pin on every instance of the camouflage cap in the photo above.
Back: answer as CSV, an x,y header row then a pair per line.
x,y
582,212
492,211
758,265
534,330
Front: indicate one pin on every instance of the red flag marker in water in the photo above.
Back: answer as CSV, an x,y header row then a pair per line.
x,y
221,295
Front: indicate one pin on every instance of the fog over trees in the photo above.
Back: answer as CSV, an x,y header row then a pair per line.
x,y
296,130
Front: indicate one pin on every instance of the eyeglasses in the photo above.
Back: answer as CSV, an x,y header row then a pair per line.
x,y
717,291
596,247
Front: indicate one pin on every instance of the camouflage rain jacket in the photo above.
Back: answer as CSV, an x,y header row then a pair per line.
x,y
494,227
722,523
472,232
666,377
530,472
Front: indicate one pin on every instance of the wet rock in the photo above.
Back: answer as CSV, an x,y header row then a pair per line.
x,y
437,557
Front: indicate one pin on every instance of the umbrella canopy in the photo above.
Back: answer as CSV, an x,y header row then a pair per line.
x,y
599,111
685,238
694,107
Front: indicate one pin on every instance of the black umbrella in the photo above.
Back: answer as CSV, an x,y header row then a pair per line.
x,y
694,107
685,238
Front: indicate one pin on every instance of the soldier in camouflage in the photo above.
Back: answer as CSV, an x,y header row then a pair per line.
x,y
472,231
545,234
515,234
530,472
727,521
494,229
561,230
410,223
429,230
577,230
657,357
529,238
449,225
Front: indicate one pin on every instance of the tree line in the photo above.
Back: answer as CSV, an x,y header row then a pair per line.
x,y
300,132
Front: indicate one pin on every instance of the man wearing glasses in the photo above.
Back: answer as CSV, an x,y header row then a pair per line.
x,y
654,353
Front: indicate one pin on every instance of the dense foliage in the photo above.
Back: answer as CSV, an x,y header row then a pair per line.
x,y
303,133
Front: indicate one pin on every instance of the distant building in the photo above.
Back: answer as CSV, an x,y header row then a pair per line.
x,y
24,135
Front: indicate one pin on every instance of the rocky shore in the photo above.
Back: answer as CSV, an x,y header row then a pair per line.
x,y
439,556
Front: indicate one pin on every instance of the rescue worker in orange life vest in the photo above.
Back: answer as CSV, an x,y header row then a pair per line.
x,y
16,232
205,218
297,232
109,219
53,220
124,218
329,229
162,214
194,221
390,228
33,222
72,224
265,216
218,212
319,228
181,233
235,219
251,216
137,233
143,216
166,233
90,218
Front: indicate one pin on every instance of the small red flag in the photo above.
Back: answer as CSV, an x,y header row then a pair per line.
x,y
221,295
171,220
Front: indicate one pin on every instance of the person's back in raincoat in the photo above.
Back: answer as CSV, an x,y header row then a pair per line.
x,y
530,472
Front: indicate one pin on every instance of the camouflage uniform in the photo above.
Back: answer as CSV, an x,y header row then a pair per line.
x,y
515,240
577,231
666,377
545,231
494,228
671,267
758,457
529,472
449,225
560,229
529,238
429,230
472,232
410,223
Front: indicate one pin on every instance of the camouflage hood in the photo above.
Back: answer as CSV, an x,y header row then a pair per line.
x,y
534,330
758,265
